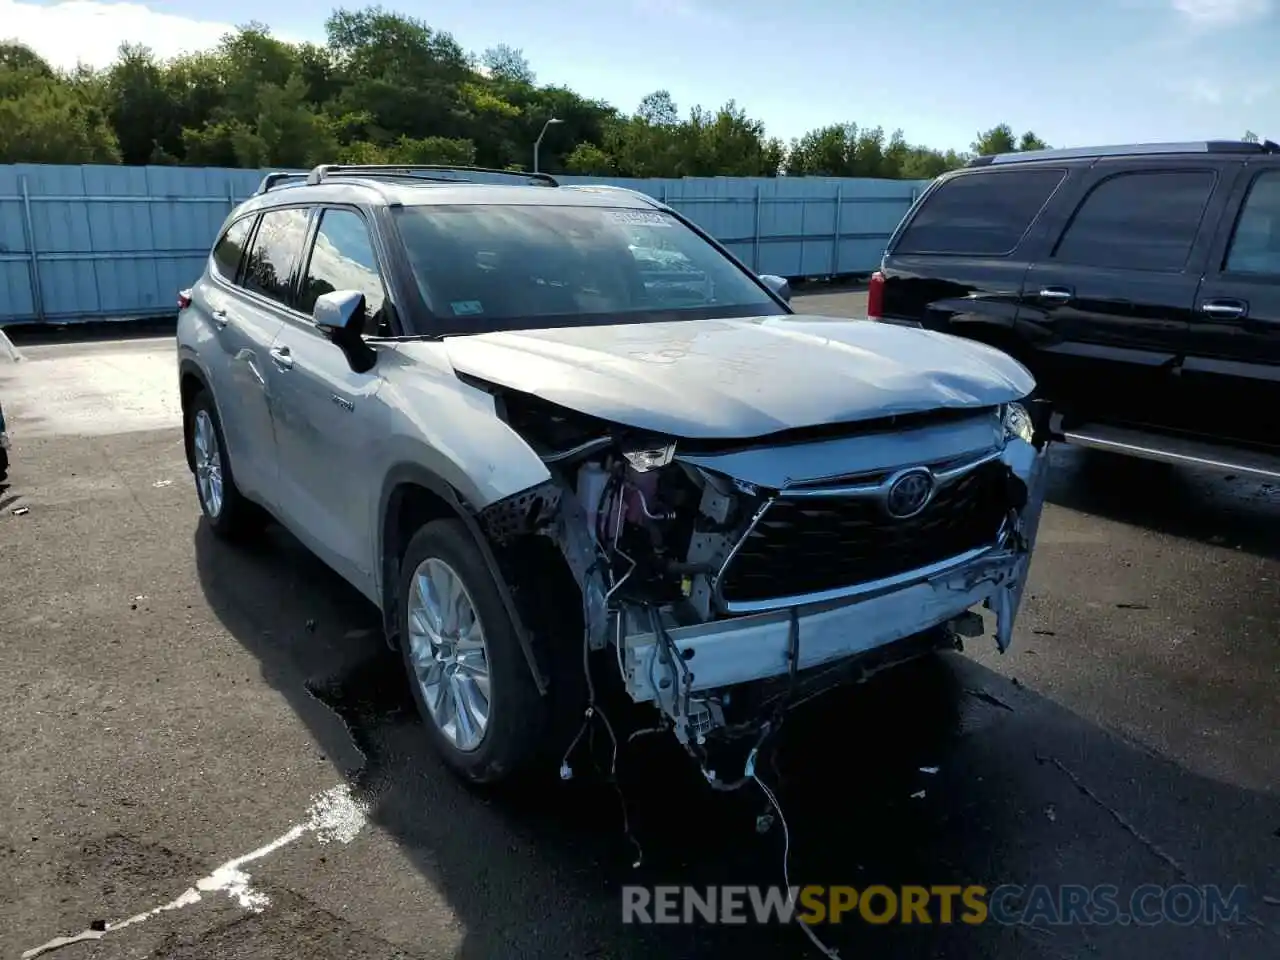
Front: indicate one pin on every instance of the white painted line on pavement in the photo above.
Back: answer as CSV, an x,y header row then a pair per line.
x,y
334,816
8,352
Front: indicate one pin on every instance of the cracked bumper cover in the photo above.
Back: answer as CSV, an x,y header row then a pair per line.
x,y
743,649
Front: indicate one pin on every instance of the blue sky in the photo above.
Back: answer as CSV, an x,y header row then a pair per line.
x,y
1088,71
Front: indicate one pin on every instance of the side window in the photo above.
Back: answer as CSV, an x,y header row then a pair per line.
x,y
276,248
1138,221
981,214
343,259
228,250
1255,246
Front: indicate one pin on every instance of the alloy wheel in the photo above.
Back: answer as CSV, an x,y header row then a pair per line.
x,y
208,463
449,654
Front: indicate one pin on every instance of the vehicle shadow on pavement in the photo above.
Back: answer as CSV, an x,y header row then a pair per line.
x,y
939,773
1212,508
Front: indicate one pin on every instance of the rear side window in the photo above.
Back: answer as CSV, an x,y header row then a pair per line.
x,y
1138,221
983,214
277,247
1255,248
228,250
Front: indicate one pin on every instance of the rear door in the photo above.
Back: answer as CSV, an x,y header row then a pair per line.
x,y
1108,309
1232,366
957,263
253,319
215,297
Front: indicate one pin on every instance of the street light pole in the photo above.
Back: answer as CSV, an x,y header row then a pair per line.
x,y
538,143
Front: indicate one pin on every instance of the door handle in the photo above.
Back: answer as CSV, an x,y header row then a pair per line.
x,y
281,357
219,317
1056,294
1224,309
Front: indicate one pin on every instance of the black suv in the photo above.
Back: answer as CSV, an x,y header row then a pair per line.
x,y
1139,284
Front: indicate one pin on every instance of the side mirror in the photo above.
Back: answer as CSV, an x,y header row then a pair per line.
x,y
338,312
339,315
778,285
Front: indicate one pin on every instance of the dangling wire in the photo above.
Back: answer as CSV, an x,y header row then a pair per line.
x,y
830,952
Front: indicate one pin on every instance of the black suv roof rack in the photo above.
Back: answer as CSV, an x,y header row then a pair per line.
x,y
415,170
1125,150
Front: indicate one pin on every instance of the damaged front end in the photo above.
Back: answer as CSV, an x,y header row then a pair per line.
x,y
733,579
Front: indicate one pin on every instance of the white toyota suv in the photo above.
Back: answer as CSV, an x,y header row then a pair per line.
x,y
545,452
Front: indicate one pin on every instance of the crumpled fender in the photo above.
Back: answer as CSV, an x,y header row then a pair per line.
x,y
1031,465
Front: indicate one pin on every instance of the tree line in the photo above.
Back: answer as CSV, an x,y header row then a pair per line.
x,y
387,88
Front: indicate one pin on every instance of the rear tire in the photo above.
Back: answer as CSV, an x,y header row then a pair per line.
x,y
229,514
466,667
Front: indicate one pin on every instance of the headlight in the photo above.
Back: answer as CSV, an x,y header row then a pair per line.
x,y
1017,422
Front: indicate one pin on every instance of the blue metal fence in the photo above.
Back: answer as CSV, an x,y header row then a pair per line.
x,y
106,242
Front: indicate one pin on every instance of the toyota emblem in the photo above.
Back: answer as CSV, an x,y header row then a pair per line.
x,y
909,494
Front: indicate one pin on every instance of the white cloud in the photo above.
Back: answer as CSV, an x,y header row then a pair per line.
x,y
91,31
1220,90
1215,13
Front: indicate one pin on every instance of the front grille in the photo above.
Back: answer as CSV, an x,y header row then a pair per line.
x,y
811,544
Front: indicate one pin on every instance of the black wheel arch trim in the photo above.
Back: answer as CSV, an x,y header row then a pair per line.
x,y
189,367
411,473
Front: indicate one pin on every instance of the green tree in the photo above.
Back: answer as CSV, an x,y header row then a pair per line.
x,y
45,118
1001,139
588,160
505,63
385,87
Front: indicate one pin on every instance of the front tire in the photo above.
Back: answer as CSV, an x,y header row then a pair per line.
x,y
230,515
466,668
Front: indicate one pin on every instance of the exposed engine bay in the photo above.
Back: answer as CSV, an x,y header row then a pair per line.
x,y
735,578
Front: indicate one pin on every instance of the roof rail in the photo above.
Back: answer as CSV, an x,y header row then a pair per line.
x,y
326,170
271,179
1123,150
613,187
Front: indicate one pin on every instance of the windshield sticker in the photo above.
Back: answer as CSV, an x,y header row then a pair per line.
x,y
650,218
467,308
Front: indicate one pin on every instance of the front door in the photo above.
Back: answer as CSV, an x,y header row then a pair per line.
x,y
326,417
1232,366
1110,305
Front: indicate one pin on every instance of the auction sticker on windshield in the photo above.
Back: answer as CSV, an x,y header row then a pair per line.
x,y
647,217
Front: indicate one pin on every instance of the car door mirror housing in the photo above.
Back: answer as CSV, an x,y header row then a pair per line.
x,y
779,285
339,311
339,315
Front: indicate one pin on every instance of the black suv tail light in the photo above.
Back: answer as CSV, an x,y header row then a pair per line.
x,y
875,296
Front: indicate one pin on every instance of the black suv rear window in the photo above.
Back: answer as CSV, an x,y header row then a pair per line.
x,y
980,214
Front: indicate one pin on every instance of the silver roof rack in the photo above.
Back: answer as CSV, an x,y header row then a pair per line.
x,y
1126,150
422,171
278,177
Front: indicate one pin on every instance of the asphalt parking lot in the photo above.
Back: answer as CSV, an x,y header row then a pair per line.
x,y
190,731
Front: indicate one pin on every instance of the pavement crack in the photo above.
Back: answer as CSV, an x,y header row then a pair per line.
x,y
1150,845
989,698
1147,843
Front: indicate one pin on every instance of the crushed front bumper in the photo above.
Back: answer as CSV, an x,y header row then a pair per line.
x,y
682,669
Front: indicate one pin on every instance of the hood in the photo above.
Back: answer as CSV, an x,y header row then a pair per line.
x,y
741,378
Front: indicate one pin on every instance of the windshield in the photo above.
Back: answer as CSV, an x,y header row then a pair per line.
x,y
482,267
